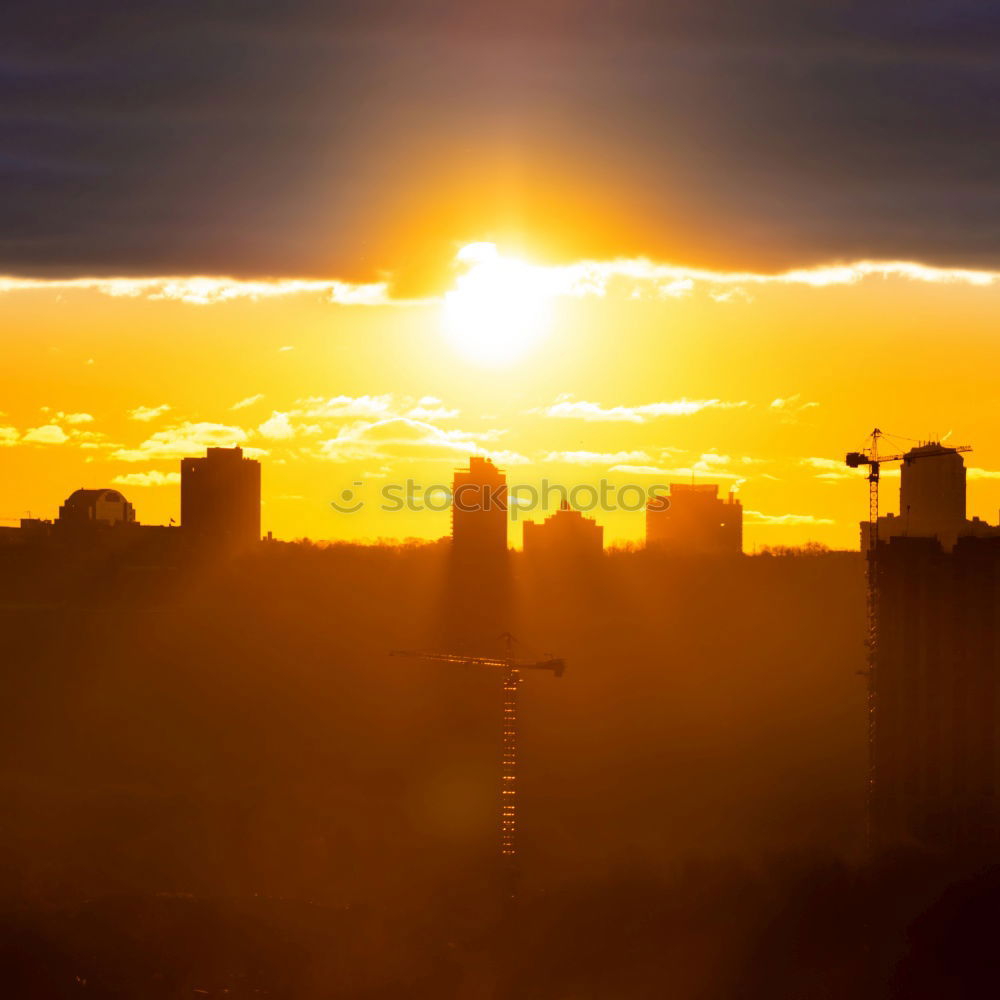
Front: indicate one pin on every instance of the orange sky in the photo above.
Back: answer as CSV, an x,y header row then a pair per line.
x,y
624,370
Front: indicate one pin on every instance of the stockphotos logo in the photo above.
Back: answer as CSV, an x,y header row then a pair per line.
x,y
392,498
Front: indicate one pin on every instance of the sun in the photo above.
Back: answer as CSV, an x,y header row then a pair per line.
x,y
499,306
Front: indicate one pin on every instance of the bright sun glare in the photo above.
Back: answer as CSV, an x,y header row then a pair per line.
x,y
498,307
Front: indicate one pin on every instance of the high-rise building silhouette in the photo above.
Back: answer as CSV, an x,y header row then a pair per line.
x,y
931,500
695,520
936,675
935,663
565,534
479,511
94,508
220,499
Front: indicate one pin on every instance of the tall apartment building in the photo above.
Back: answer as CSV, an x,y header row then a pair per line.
x,y
479,511
566,534
220,499
695,520
937,691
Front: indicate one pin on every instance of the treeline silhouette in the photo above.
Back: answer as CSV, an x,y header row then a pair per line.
x,y
216,780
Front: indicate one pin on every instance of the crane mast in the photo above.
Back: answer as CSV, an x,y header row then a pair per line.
x,y
510,669
508,766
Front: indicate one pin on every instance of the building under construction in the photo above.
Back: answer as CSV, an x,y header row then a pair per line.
x,y
934,659
937,670
932,499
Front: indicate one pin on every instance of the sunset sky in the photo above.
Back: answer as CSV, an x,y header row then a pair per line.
x,y
632,241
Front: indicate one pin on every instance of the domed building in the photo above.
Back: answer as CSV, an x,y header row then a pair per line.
x,y
96,507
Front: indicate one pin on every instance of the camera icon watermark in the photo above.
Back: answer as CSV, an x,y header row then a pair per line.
x,y
349,501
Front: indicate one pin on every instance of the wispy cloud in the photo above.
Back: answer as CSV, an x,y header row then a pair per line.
x,y
9,436
340,407
701,469
372,407
184,439
144,414
834,470
403,438
431,408
249,401
593,457
792,404
650,470
709,464
782,520
152,478
567,408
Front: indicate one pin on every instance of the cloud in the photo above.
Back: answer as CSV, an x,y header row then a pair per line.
x,y
92,439
567,408
277,427
638,277
9,436
683,474
792,404
146,413
431,408
75,418
401,437
249,401
708,464
755,517
47,434
205,291
974,473
503,457
650,470
631,278
427,408
593,457
832,469
183,440
339,407
151,478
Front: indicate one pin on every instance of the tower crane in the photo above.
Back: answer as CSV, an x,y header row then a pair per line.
x,y
871,458
510,671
